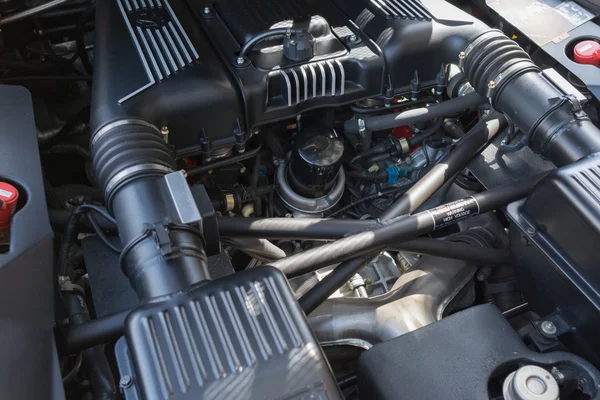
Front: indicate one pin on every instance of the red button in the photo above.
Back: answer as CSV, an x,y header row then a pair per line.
x,y
8,197
587,52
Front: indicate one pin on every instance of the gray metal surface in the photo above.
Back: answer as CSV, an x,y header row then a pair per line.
x,y
418,298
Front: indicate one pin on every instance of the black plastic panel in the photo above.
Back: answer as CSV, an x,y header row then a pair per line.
x,y
415,35
152,62
242,336
28,359
562,51
464,356
275,88
556,246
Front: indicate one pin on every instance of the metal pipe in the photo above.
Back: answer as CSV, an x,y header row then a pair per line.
x,y
419,297
469,146
32,11
403,229
415,115
456,251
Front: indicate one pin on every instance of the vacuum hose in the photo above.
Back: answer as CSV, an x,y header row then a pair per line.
x,y
160,255
554,124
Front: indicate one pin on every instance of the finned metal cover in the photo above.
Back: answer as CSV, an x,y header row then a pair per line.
x,y
161,42
239,337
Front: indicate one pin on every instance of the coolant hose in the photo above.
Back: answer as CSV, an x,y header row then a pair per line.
x,y
552,121
415,115
160,255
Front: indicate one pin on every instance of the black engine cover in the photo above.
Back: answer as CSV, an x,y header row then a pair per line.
x,y
173,63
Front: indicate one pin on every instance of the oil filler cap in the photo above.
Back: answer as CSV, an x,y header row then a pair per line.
x,y
587,52
9,195
530,382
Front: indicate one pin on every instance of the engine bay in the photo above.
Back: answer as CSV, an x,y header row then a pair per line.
x,y
277,199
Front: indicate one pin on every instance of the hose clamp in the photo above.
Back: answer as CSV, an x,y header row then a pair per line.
x,y
108,127
133,170
362,127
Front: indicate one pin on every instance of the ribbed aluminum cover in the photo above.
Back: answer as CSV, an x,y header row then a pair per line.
x,y
240,337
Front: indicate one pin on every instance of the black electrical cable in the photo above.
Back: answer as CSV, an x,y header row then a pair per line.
x,y
80,36
264,35
101,234
71,234
394,190
74,371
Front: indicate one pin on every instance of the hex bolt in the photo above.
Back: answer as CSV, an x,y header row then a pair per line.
x,y
548,327
491,85
530,231
352,38
125,381
462,55
206,10
241,60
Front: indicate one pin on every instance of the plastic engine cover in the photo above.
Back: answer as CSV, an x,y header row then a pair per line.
x,y
239,337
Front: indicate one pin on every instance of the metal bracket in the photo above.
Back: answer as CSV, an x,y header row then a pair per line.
x,y
163,240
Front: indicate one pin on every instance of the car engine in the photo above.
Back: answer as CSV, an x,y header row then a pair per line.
x,y
300,199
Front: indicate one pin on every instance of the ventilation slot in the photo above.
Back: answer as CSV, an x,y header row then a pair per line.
x,y
164,50
310,81
406,9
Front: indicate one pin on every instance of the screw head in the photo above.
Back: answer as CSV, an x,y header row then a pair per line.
x,y
352,38
241,60
462,55
530,231
206,10
491,85
548,327
125,381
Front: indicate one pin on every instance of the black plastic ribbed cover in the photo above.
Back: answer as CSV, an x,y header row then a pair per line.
x,y
239,337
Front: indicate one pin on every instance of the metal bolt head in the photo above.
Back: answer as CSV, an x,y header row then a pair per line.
x,y
240,60
530,231
548,327
462,55
206,10
352,38
491,85
125,381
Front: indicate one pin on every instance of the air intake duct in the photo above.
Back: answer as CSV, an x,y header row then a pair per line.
x,y
163,246
540,105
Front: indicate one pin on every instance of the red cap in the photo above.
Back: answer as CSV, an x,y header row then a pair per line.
x,y
587,52
8,197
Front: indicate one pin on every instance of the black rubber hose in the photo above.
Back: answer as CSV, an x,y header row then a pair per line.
x,y
468,147
498,68
96,331
94,359
429,132
332,282
160,255
453,128
396,106
273,143
417,115
254,185
204,168
403,229
264,35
